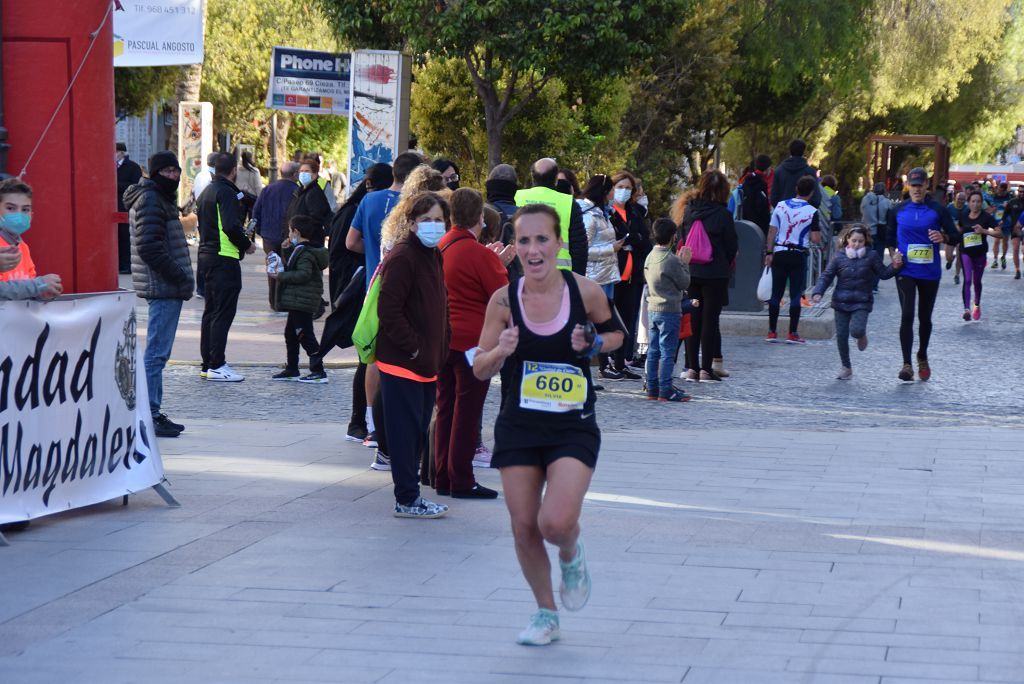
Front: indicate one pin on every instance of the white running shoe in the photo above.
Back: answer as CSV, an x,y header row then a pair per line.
x,y
542,630
845,373
575,589
224,374
482,457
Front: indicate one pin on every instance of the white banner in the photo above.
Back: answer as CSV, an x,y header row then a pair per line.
x,y
158,32
75,426
308,82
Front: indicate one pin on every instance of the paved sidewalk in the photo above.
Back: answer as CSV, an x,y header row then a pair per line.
x,y
739,555
782,527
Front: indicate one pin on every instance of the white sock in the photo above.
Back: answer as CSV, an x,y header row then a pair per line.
x,y
370,427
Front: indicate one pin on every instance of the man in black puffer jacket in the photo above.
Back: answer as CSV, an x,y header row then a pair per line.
x,y
790,171
161,271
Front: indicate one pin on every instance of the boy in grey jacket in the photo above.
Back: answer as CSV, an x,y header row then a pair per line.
x,y
667,277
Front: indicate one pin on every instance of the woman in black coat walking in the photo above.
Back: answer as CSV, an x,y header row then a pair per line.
x,y
709,282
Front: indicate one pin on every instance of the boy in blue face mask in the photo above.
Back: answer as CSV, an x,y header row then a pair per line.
x,y
300,287
19,280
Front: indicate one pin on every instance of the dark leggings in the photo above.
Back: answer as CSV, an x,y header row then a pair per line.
x,y
787,268
910,289
704,322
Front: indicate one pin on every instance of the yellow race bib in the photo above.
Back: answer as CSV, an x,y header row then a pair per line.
x,y
552,387
972,239
920,254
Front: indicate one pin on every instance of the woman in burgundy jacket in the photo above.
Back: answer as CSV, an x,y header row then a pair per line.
x,y
472,273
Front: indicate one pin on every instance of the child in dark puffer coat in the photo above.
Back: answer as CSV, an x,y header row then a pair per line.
x,y
300,288
855,268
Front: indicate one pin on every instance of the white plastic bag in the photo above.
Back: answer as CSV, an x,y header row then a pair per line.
x,y
764,285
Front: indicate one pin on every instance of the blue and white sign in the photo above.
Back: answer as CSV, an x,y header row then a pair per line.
x,y
310,82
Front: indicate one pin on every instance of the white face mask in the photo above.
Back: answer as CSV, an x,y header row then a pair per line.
x,y
430,232
856,253
642,201
622,195
305,177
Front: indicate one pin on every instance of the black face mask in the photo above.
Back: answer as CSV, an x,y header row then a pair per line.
x,y
453,185
564,186
167,186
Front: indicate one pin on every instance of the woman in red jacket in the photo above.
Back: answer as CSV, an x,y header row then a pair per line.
x,y
412,344
472,273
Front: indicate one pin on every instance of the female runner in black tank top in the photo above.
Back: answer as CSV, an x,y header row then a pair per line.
x,y
546,432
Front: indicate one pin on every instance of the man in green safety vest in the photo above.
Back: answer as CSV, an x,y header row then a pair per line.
x,y
222,245
573,254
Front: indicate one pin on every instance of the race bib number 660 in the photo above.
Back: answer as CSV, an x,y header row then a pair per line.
x,y
552,387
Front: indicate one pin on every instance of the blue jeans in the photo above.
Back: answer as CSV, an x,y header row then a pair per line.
x,y
609,290
160,331
661,351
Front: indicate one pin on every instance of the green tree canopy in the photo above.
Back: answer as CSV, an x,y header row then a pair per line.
x,y
514,48
240,35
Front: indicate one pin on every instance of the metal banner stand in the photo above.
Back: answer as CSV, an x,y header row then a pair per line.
x,y
164,494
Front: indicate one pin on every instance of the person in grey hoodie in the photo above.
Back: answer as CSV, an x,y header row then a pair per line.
x,y
667,277
161,271
855,267
790,171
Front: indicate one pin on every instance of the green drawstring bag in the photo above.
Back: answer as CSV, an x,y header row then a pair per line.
x,y
364,335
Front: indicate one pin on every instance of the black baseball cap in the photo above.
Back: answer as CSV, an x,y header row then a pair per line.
x,y
917,176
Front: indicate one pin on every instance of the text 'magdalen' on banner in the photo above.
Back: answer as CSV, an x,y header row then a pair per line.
x,y
75,426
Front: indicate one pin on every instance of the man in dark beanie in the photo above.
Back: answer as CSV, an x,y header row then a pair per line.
x,y
161,271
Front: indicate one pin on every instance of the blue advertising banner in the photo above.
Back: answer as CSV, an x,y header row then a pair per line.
x,y
310,82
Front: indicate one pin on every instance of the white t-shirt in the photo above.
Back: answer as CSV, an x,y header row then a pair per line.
x,y
794,220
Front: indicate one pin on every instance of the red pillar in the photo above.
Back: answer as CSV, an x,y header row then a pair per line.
x,y
73,173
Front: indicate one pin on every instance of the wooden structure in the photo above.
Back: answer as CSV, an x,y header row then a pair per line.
x,y
880,148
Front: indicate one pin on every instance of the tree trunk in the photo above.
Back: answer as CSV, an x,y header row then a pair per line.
x,y
185,90
495,134
284,124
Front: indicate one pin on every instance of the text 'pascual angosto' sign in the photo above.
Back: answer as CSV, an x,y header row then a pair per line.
x,y
158,32
309,82
75,426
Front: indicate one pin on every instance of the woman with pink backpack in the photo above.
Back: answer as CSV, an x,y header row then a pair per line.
x,y
707,228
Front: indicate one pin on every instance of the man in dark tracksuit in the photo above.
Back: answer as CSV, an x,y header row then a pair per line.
x,y
222,245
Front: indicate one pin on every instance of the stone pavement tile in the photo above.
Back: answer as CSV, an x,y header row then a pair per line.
x,y
809,622
727,650
935,672
98,670
991,673
818,636
957,657
724,675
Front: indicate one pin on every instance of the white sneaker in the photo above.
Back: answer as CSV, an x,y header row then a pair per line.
x,y
224,374
575,589
482,457
542,630
844,373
